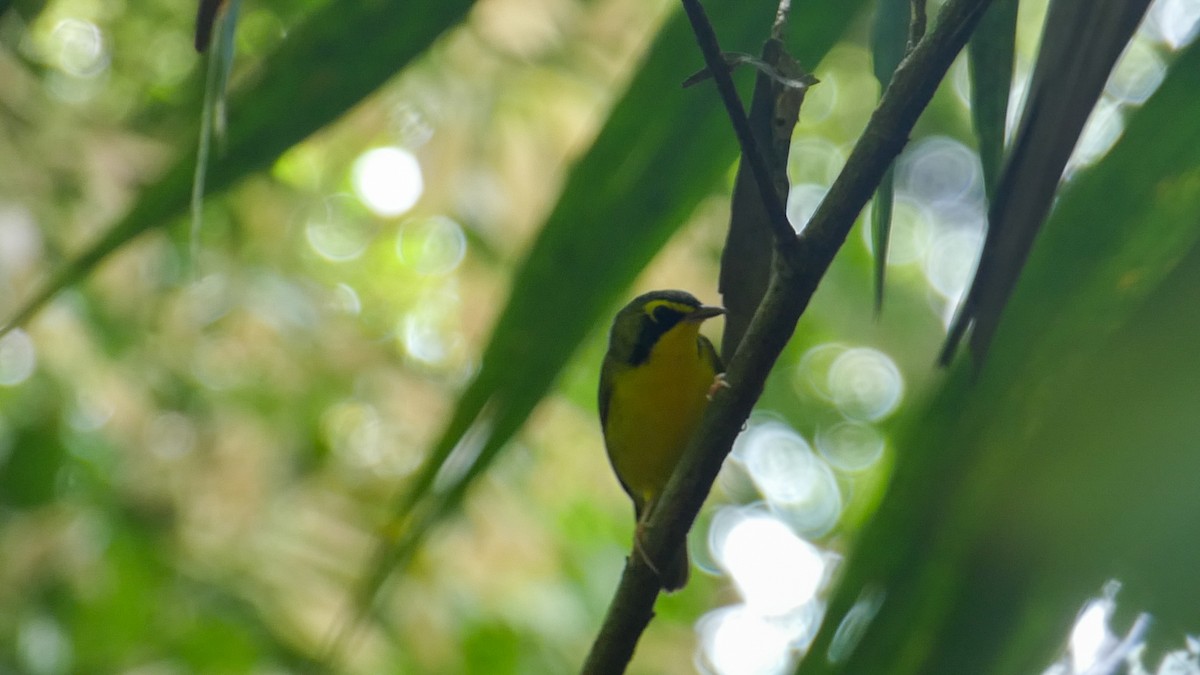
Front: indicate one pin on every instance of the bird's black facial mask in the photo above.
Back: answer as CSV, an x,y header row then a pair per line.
x,y
659,319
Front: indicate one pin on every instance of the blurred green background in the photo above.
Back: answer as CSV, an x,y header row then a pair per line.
x,y
203,444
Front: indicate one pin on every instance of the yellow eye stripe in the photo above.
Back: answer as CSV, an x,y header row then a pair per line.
x,y
679,307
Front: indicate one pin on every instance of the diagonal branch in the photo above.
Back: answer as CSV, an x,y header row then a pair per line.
x,y
797,271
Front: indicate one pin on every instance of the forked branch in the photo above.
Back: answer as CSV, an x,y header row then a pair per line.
x,y
800,263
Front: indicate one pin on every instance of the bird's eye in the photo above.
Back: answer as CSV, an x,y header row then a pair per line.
x,y
665,315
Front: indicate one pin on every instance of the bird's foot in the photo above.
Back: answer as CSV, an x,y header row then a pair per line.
x,y
719,383
637,547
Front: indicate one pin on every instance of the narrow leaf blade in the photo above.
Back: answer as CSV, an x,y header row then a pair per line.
x,y
889,36
990,53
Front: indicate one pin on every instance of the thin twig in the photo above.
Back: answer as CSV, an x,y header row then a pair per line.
x,y
781,19
706,37
794,280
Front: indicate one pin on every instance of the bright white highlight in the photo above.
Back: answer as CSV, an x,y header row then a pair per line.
x,y
1093,648
388,180
1090,635
736,641
802,203
1174,22
775,571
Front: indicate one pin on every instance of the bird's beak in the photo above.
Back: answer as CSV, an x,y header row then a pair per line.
x,y
705,312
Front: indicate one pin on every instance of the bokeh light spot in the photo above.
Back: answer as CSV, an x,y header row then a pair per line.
x,y
812,372
779,460
424,341
737,641
92,409
78,48
354,431
20,239
43,648
431,245
335,232
910,234
818,513
17,358
814,160
430,336
941,171
170,435
388,180
344,299
775,571
208,299
820,102
850,446
797,485
866,384
950,260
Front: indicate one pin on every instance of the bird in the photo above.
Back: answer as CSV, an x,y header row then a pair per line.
x,y
657,377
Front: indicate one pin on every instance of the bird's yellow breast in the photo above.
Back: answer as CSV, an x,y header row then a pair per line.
x,y
654,408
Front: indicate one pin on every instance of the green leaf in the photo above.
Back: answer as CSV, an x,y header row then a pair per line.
x,y
358,46
1080,44
1070,460
881,230
990,53
216,84
889,36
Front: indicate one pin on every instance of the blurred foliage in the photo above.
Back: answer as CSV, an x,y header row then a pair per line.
x,y
199,453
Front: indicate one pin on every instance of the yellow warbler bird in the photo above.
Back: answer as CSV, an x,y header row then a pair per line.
x,y
655,383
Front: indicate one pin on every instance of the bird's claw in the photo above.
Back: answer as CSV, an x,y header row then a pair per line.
x,y
719,383
637,546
